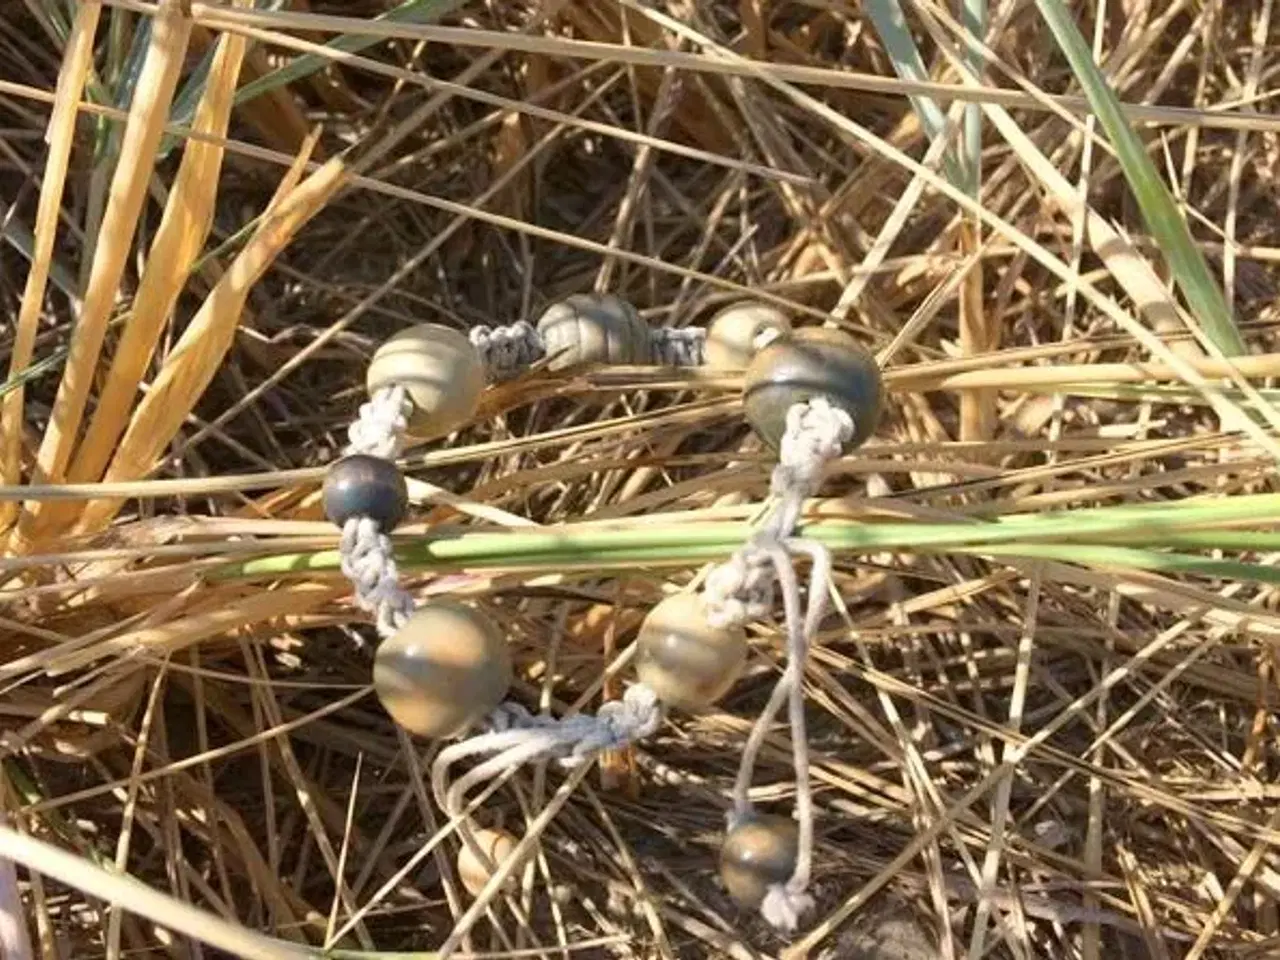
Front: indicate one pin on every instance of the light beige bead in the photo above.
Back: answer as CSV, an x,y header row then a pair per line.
x,y
588,328
443,670
497,845
687,662
758,854
441,371
735,333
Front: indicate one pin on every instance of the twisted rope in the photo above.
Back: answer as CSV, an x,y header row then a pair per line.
x,y
509,351
379,429
677,346
369,562
742,588
515,737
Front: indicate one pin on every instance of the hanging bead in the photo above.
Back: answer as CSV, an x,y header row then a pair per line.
x,y
735,334
498,845
446,668
812,362
758,853
687,662
441,372
589,328
364,486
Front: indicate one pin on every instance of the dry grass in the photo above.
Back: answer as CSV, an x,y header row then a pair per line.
x,y
1047,747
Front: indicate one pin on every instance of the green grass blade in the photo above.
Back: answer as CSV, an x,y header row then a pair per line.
x,y
891,26
1165,221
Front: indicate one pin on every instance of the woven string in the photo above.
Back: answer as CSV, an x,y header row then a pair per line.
x,y
509,351
514,737
742,588
677,346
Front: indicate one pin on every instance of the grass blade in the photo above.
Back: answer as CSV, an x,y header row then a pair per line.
x,y
1165,221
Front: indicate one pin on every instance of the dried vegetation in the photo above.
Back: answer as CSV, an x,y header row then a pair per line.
x,y
1054,740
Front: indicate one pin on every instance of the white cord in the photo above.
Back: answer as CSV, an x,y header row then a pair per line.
x,y
742,588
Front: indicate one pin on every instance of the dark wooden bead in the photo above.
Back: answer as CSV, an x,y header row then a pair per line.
x,y
757,854
443,670
687,662
812,362
590,328
364,486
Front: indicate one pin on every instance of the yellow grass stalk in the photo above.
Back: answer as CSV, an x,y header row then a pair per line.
x,y
60,134
147,117
184,228
200,350
252,609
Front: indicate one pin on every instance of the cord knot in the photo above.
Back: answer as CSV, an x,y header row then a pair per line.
x,y
378,430
508,351
783,906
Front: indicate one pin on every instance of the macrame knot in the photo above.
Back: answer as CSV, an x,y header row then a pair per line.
x,y
508,351
619,722
740,589
816,433
368,561
783,906
677,346
379,429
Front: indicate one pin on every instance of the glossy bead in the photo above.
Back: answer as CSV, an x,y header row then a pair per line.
x,y
441,371
733,333
364,486
497,845
687,662
443,670
593,328
813,362
757,854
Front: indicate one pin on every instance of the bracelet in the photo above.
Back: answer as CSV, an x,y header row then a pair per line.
x,y
443,669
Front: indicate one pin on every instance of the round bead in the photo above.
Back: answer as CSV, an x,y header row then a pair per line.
x,y
364,486
813,362
757,854
443,670
593,328
497,845
687,662
733,333
441,371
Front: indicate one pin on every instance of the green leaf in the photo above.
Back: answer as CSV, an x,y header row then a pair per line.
x,y
1165,221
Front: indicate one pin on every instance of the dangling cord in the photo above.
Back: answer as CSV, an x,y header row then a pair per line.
x,y
742,589
517,737
368,560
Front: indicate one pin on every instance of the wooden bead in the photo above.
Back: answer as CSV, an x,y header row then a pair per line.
x,y
733,333
588,328
497,845
687,662
813,362
443,670
441,371
364,486
757,854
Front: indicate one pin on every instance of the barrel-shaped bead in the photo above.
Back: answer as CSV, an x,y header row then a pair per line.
x,y
737,332
685,660
591,328
443,670
441,372
812,362
497,846
364,486
758,853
